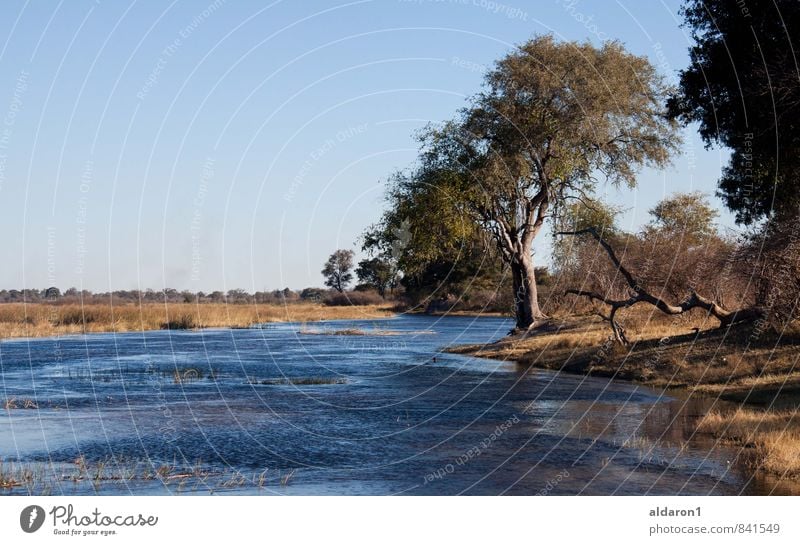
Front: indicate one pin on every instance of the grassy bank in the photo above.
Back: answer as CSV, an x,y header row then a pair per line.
x,y
755,370
43,320
771,438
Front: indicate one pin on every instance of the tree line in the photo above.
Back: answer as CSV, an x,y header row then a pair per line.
x,y
54,295
557,120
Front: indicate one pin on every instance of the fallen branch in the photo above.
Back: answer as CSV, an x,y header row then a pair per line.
x,y
641,295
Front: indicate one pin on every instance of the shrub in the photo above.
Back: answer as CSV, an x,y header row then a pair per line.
x,y
354,298
77,316
312,294
186,321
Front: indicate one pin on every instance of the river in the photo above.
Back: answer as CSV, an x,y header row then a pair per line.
x,y
298,409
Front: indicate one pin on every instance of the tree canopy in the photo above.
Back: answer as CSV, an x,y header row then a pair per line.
x,y
743,89
687,216
338,269
553,121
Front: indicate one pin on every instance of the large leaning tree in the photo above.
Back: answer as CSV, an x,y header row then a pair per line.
x,y
553,121
742,87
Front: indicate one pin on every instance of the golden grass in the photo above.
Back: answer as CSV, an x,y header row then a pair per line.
x,y
690,353
43,320
773,437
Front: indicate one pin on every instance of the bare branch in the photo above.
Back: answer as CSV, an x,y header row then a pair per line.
x,y
725,317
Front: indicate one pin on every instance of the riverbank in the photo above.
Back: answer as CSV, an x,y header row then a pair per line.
x,y
44,320
757,370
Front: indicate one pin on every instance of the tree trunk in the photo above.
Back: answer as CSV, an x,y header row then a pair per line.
x,y
616,328
526,302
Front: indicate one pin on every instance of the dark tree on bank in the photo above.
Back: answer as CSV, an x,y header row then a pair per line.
x,y
377,273
337,270
743,88
554,120
436,250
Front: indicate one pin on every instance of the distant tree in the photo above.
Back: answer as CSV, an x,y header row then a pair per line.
x,y
742,88
52,293
171,295
338,270
377,273
237,295
188,296
312,294
687,216
543,276
286,295
577,215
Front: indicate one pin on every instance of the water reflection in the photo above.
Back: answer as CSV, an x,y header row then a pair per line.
x,y
288,409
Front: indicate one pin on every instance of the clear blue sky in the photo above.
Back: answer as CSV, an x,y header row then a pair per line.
x,y
216,145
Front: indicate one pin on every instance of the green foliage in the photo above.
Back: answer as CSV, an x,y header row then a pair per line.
x,y
685,215
552,118
741,87
566,111
312,294
337,270
578,215
377,273
426,234
589,213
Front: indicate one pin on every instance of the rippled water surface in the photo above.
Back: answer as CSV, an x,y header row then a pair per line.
x,y
291,409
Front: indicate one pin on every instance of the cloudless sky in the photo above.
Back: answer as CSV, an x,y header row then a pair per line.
x,y
215,145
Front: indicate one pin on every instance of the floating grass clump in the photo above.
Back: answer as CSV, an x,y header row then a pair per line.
x,y
298,381
189,374
354,332
348,332
14,403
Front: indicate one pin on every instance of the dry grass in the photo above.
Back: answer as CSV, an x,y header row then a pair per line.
x,y
43,320
691,353
13,403
773,437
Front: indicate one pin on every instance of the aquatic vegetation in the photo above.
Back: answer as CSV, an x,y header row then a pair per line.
x,y
298,381
773,437
42,478
141,374
14,403
355,332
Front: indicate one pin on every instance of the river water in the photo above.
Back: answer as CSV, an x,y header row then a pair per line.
x,y
294,409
